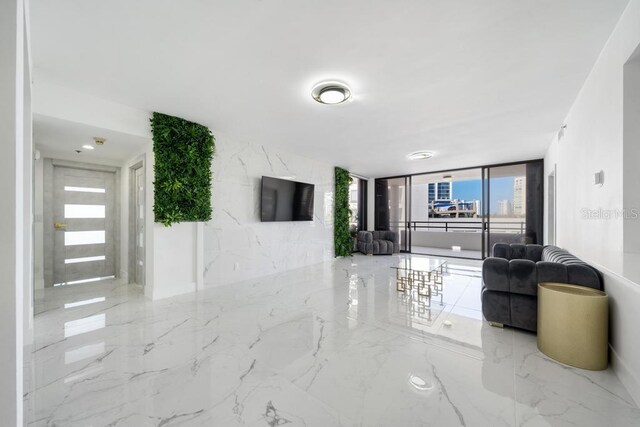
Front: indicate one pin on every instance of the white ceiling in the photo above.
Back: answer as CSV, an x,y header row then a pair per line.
x,y
60,138
461,175
477,82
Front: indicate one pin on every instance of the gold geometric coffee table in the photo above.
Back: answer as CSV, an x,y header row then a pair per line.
x,y
573,325
422,276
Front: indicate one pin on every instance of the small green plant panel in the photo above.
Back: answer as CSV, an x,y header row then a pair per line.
x,y
342,236
183,152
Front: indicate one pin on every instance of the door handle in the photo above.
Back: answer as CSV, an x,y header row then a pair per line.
x,y
59,226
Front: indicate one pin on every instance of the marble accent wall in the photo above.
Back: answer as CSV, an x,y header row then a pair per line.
x,y
237,246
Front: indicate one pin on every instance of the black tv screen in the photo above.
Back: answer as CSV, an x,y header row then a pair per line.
x,y
284,200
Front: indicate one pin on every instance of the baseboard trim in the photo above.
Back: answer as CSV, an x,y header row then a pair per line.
x,y
208,283
175,291
625,375
623,289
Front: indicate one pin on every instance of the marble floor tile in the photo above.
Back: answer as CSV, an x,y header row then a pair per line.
x,y
554,394
332,344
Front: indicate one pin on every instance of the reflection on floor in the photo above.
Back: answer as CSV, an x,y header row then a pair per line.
x,y
330,344
446,252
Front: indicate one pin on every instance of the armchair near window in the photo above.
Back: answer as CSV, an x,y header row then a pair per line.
x,y
378,242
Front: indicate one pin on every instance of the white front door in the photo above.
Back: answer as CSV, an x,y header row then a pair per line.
x,y
84,225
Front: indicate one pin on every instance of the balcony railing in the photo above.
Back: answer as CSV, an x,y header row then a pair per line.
x,y
474,226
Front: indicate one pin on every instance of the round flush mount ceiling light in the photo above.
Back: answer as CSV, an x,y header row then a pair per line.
x,y
88,147
331,93
420,155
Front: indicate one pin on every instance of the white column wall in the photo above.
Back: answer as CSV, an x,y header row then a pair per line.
x,y
28,197
371,204
12,215
38,219
171,255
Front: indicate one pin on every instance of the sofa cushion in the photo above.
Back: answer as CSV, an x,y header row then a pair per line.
x,y
502,250
555,254
385,235
378,242
552,272
517,251
533,252
524,312
584,275
382,247
578,272
365,237
496,306
495,274
522,277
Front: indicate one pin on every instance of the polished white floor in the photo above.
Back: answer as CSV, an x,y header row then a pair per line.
x,y
331,344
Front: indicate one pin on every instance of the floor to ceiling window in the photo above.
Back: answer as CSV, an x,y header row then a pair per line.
x,y
514,210
392,206
463,213
446,215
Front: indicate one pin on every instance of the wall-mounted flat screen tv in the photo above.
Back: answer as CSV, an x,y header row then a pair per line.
x,y
284,200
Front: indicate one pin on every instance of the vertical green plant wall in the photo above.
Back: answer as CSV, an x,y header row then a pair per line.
x,y
183,152
342,237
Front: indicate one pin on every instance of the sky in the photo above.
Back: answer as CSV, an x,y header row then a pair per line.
x,y
501,189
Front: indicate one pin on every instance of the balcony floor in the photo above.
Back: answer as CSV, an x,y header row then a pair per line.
x,y
464,253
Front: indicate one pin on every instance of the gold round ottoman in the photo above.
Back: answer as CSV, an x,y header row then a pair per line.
x,y
573,325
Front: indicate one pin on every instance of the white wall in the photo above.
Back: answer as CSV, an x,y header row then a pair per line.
x,y
237,245
38,219
631,159
171,253
14,221
174,257
594,141
28,197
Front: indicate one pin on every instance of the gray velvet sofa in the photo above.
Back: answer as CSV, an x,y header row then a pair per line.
x,y
511,276
378,242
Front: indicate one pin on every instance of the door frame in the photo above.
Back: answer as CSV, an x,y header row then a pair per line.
x,y
131,249
552,203
485,209
49,233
